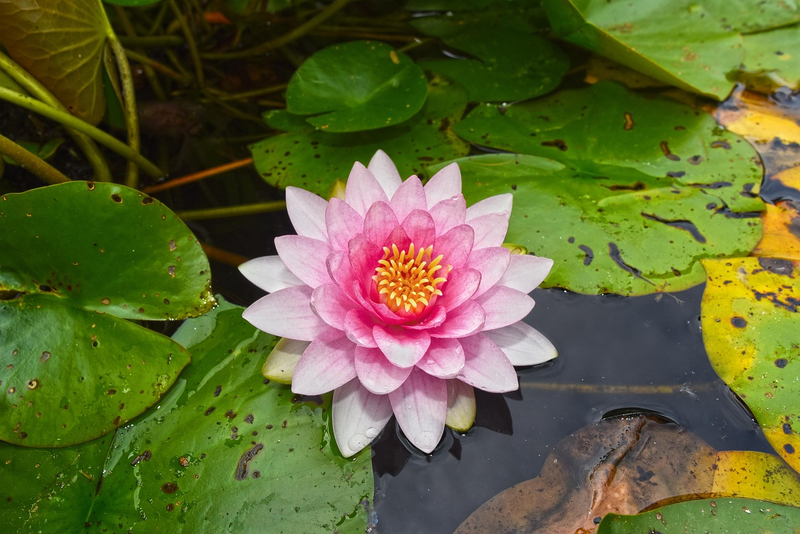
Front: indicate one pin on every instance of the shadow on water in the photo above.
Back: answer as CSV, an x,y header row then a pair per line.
x,y
616,355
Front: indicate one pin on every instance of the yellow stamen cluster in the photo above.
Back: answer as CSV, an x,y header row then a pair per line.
x,y
406,280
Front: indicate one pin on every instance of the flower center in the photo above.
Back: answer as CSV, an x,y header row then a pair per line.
x,y
407,279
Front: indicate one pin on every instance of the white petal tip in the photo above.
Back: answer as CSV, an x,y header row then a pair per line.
x,y
425,441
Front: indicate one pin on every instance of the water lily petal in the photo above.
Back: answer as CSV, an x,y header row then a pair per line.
x,y
269,273
492,263
455,245
364,256
420,228
523,344
432,319
420,406
379,223
281,362
380,310
449,213
461,407
378,374
305,257
402,347
460,286
495,204
504,306
358,416
383,168
327,363
358,328
462,321
444,184
286,313
486,366
340,270
331,304
490,229
408,197
343,223
307,213
444,358
525,272
363,190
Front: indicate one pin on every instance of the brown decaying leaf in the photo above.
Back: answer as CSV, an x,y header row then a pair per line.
x,y
60,42
627,465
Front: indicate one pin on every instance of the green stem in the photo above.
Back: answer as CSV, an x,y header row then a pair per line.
x,y
187,33
286,38
232,211
30,161
151,41
32,85
248,94
71,121
160,67
129,105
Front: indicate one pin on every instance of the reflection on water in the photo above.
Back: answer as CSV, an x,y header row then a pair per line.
x,y
615,355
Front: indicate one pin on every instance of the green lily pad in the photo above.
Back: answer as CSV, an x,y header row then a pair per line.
x,y
606,125
680,42
79,258
610,230
750,319
707,515
749,16
354,86
223,452
510,65
450,18
774,54
61,44
315,160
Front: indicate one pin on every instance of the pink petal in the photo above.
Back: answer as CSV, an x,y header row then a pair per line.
x,y
343,223
525,272
490,230
269,273
460,405
331,304
305,257
444,358
444,184
455,245
381,311
420,406
486,367
384,170
504,306
462,321
402,347
358,328
449,213
340,270
432,319
379,223
460,286
523,344
307,213
408,197
363,190
378,374
364,256
326,364
495,204
358,416
399,237
286,313
420,228
492,263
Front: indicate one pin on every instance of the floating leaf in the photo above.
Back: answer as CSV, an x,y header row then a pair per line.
x,y
622,466
605,125
315,160
78,258
61,44
449,18
750,320
774,54
679,42
510,65
223,452
750,16
781,237
708,515
354,86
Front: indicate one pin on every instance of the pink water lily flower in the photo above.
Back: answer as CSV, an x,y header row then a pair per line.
x,y
400,299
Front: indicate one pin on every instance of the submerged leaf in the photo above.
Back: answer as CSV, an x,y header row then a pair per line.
x,y
61,43
750,320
